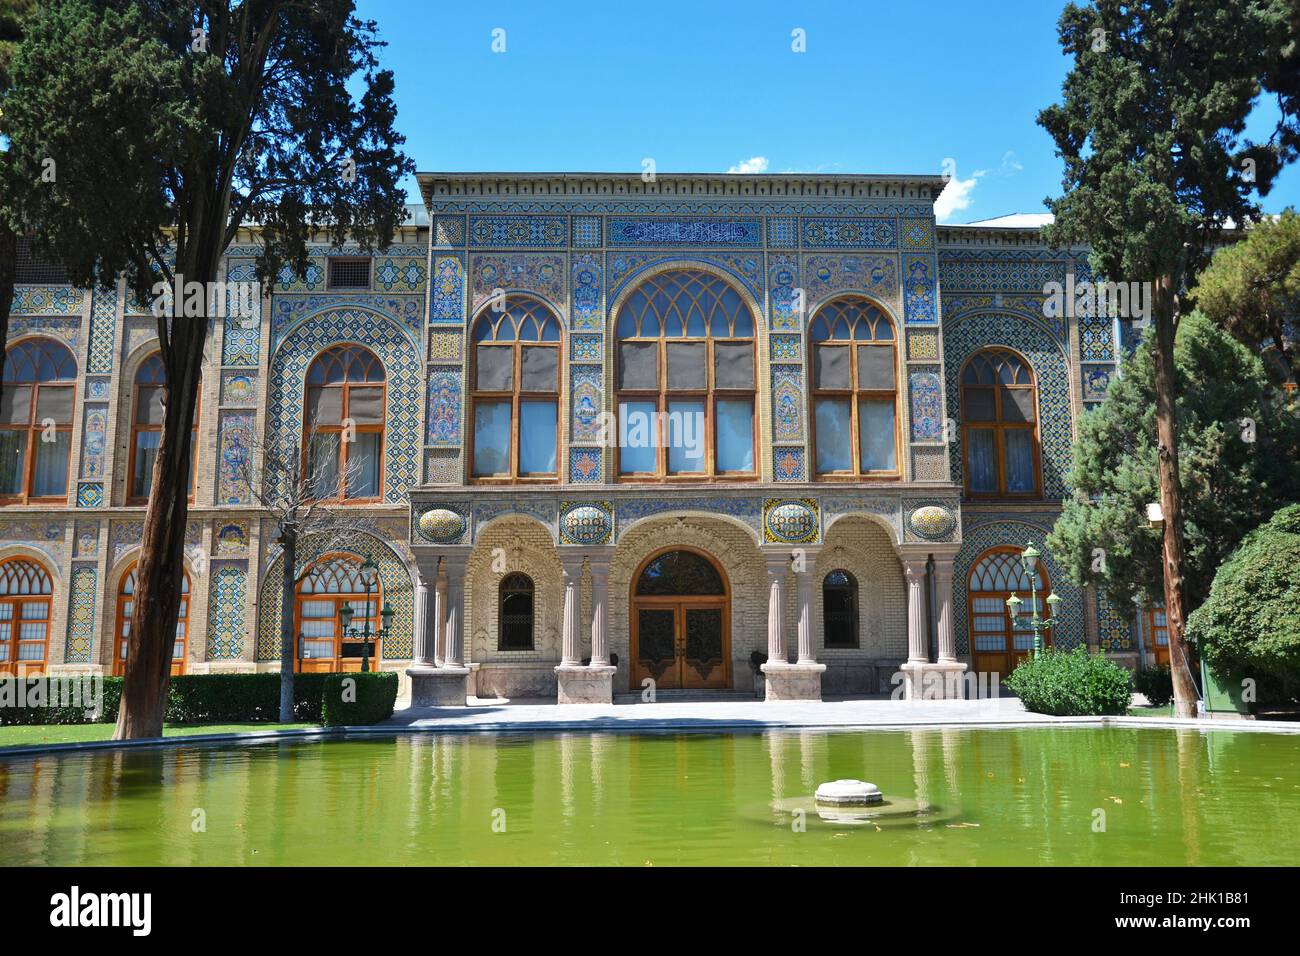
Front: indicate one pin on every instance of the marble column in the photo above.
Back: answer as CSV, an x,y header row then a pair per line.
x,y
599,600
803,593
943,593
438,675
778,565
455,619
440,620
571,637
423,656
917,651
801,680
593,684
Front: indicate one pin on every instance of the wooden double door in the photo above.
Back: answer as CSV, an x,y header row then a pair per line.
x,y
681,623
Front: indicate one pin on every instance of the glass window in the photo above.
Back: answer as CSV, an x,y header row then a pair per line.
x,y
876,435
736,435
515,616
38,394
537,428
638,438
344,423
492,438
834,422
998,408
840,610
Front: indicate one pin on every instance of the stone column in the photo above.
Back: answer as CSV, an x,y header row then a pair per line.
x,y
943,591
923,678
917,652
777,567
593,684
599,598
440,680
423,656
455,619
803,591
571,638
440,619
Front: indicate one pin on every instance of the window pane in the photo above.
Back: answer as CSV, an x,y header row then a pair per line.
x,y
363,465
876,435
55,403
735,435
323,461
366,405
981,471
146,450
539,369
686,364
832,367
733,365
834,435
16,404
324,406
51,475
637,441
1019,444
149,406
875,366
978,404
492,438
13,459
1017,404
686,436
638,364
496,368
537,422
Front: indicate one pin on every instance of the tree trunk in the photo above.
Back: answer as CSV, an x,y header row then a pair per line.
x,y
289,543
8,270
1171,497
162,546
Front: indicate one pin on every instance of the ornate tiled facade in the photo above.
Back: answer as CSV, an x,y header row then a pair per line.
x,y
582,246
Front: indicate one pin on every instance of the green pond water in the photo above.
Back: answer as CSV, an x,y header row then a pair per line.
x,y
953,797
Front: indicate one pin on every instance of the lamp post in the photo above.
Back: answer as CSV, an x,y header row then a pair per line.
x,y
369,574
1029,561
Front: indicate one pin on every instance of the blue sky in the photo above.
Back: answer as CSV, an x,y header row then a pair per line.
x,y
712,86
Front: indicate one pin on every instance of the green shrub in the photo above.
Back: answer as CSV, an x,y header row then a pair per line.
x,y
1250,623
38,705
351,700
1156,684
1071,684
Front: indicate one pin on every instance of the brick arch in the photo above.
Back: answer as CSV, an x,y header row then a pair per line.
x,y
529,549
863,546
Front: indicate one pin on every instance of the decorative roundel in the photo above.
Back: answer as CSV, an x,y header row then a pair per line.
x,y
585,524
793,522
932,521
442,524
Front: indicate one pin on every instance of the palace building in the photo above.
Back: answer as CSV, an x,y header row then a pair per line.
x,y
599,431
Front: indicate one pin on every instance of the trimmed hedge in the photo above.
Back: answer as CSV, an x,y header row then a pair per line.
x,y
350,700
1156,684
1072,684
198,699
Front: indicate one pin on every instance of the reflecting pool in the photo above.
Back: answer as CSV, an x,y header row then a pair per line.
x,y
1035,796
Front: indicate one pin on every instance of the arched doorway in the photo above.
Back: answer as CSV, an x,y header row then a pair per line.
x,y
25,596
125,608
681,621
998,644
323,642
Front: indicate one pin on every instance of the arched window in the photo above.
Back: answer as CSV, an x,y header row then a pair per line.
x,y
345,424
999,430
997,644
25,591
1158,631
515,613
840,609
516,380
855,390
685,379
39,387
126,607
323,643
146,428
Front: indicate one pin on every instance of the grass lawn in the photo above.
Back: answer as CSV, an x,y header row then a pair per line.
x,y
1148,711
38,734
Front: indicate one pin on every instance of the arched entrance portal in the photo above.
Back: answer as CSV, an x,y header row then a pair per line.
x,y
998,644
681,621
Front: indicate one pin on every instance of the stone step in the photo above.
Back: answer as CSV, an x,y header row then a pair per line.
x,y
666,696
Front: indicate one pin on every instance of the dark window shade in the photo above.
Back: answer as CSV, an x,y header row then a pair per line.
x,y
366,405
733,365
978,406
16,405
325,406
1017,405
32,268
55,404
686,365
638,365
496,368
832,367
539,369
875,367
149,406
349,273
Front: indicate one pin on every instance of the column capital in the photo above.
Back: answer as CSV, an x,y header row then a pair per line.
x,y
571,562
914,569
778,562
599,560
453,562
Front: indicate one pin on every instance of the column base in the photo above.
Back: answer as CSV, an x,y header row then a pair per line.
x,y
593,684
930,681
793,681
438,686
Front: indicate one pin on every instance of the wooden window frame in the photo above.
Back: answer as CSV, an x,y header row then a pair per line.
x,y
380,428
119,618
339,598
854,394
33,429
517,395
855,591
11,665
137,429
1009,630
663,396
1000,428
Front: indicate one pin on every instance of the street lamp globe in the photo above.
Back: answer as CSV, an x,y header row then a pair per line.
x,y
1029,558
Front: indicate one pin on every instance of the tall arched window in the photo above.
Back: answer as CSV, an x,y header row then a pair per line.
x,y
39,387
840,609
345,424
999,429
516,380
323,642
997,643
25,592
146,428
855,390
515,613
126,607
685,379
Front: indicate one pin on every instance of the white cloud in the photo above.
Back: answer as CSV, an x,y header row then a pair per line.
x,y
755,164
956,196
1010,164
